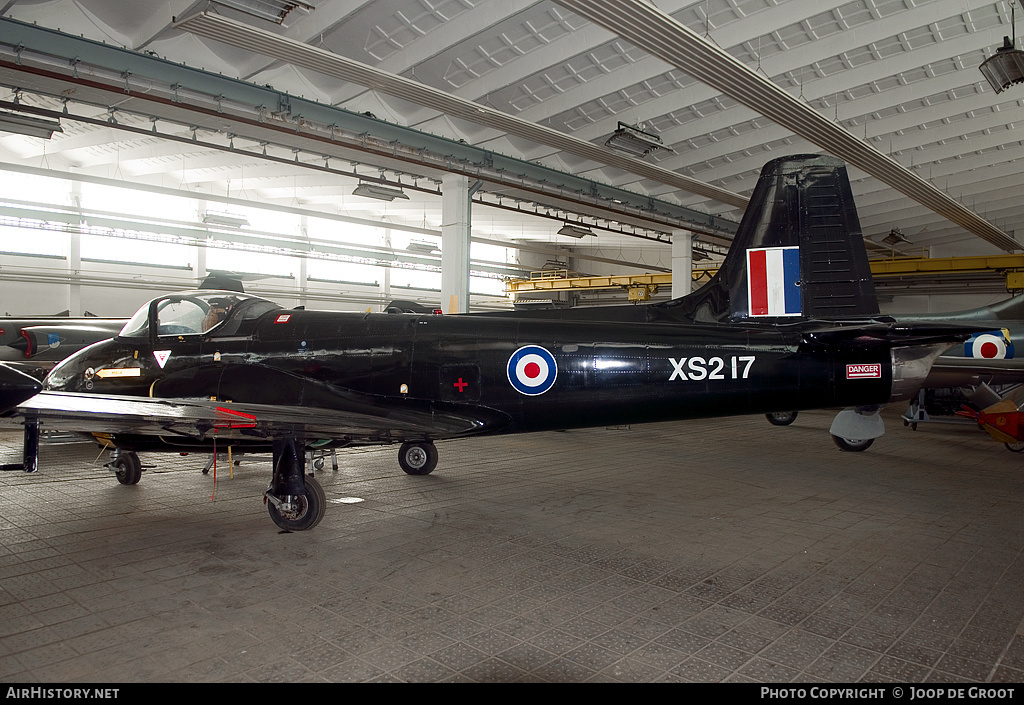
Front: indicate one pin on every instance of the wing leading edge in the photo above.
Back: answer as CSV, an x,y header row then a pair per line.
x,y
205,419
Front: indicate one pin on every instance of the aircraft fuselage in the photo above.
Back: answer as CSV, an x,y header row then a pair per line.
x,y
535,375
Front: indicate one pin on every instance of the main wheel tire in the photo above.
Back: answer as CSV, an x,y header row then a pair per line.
x,y
1015,447
128,468
418,458
853,445
781,418
309,510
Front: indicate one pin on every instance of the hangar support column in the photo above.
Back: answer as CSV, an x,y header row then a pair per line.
x,y
302,280
682,263
201,271
456,219
201,264
385,283
75,307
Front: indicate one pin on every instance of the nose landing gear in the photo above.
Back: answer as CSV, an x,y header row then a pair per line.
x,y
126,466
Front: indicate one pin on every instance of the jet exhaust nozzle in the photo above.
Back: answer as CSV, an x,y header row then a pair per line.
x,y
910,367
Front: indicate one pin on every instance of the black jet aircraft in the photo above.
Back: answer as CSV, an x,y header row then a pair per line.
x,y
40,343
789,322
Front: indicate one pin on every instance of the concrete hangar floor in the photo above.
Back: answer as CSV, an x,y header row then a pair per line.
x,y
722,550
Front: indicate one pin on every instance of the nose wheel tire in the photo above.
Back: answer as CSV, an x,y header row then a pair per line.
x,y
127,468
417,458
308,509
853,445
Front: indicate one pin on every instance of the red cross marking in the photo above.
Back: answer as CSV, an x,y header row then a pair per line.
x,y
461,385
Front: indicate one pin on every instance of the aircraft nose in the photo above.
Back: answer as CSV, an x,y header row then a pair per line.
x,y
16,387
22,344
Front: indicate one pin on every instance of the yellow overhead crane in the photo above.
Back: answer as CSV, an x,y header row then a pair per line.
x,y
641,287
1010,266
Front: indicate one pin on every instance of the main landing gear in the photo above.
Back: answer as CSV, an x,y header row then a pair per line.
x,y
854,430
781,418
295,501
852,445
418,458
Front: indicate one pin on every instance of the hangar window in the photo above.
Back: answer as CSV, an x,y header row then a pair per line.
x,y
99,248
31,241
267,221
332,270
487,286
112,199
37,189
354,233
238,260
416,279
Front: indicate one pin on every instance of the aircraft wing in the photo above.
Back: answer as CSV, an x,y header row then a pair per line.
x,y
201,418
949,371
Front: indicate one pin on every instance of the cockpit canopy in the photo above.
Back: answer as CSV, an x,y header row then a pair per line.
x,y
201,312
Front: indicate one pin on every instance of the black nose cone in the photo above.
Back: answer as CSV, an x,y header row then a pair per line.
x,y
21,344
16,387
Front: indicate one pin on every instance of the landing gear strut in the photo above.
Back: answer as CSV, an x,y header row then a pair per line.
x,y
295,501
418,458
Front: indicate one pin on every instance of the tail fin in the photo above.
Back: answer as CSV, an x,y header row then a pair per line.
x,y
798,252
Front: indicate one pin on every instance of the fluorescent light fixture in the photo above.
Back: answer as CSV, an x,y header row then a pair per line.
x,y
272,10
895,237
302,55
661,35
31,126
381,193
574,231
232,221
425,248
633,140
1004,68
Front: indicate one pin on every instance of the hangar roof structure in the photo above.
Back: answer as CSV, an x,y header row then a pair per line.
x,y
298,103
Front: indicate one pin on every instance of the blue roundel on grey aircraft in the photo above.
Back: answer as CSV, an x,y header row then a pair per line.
x,y
993,345
532,370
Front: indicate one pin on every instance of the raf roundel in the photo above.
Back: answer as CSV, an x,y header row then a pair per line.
x,y
532,370
992,346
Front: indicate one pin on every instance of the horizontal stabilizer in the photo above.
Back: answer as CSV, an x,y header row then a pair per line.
x,y
881,332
